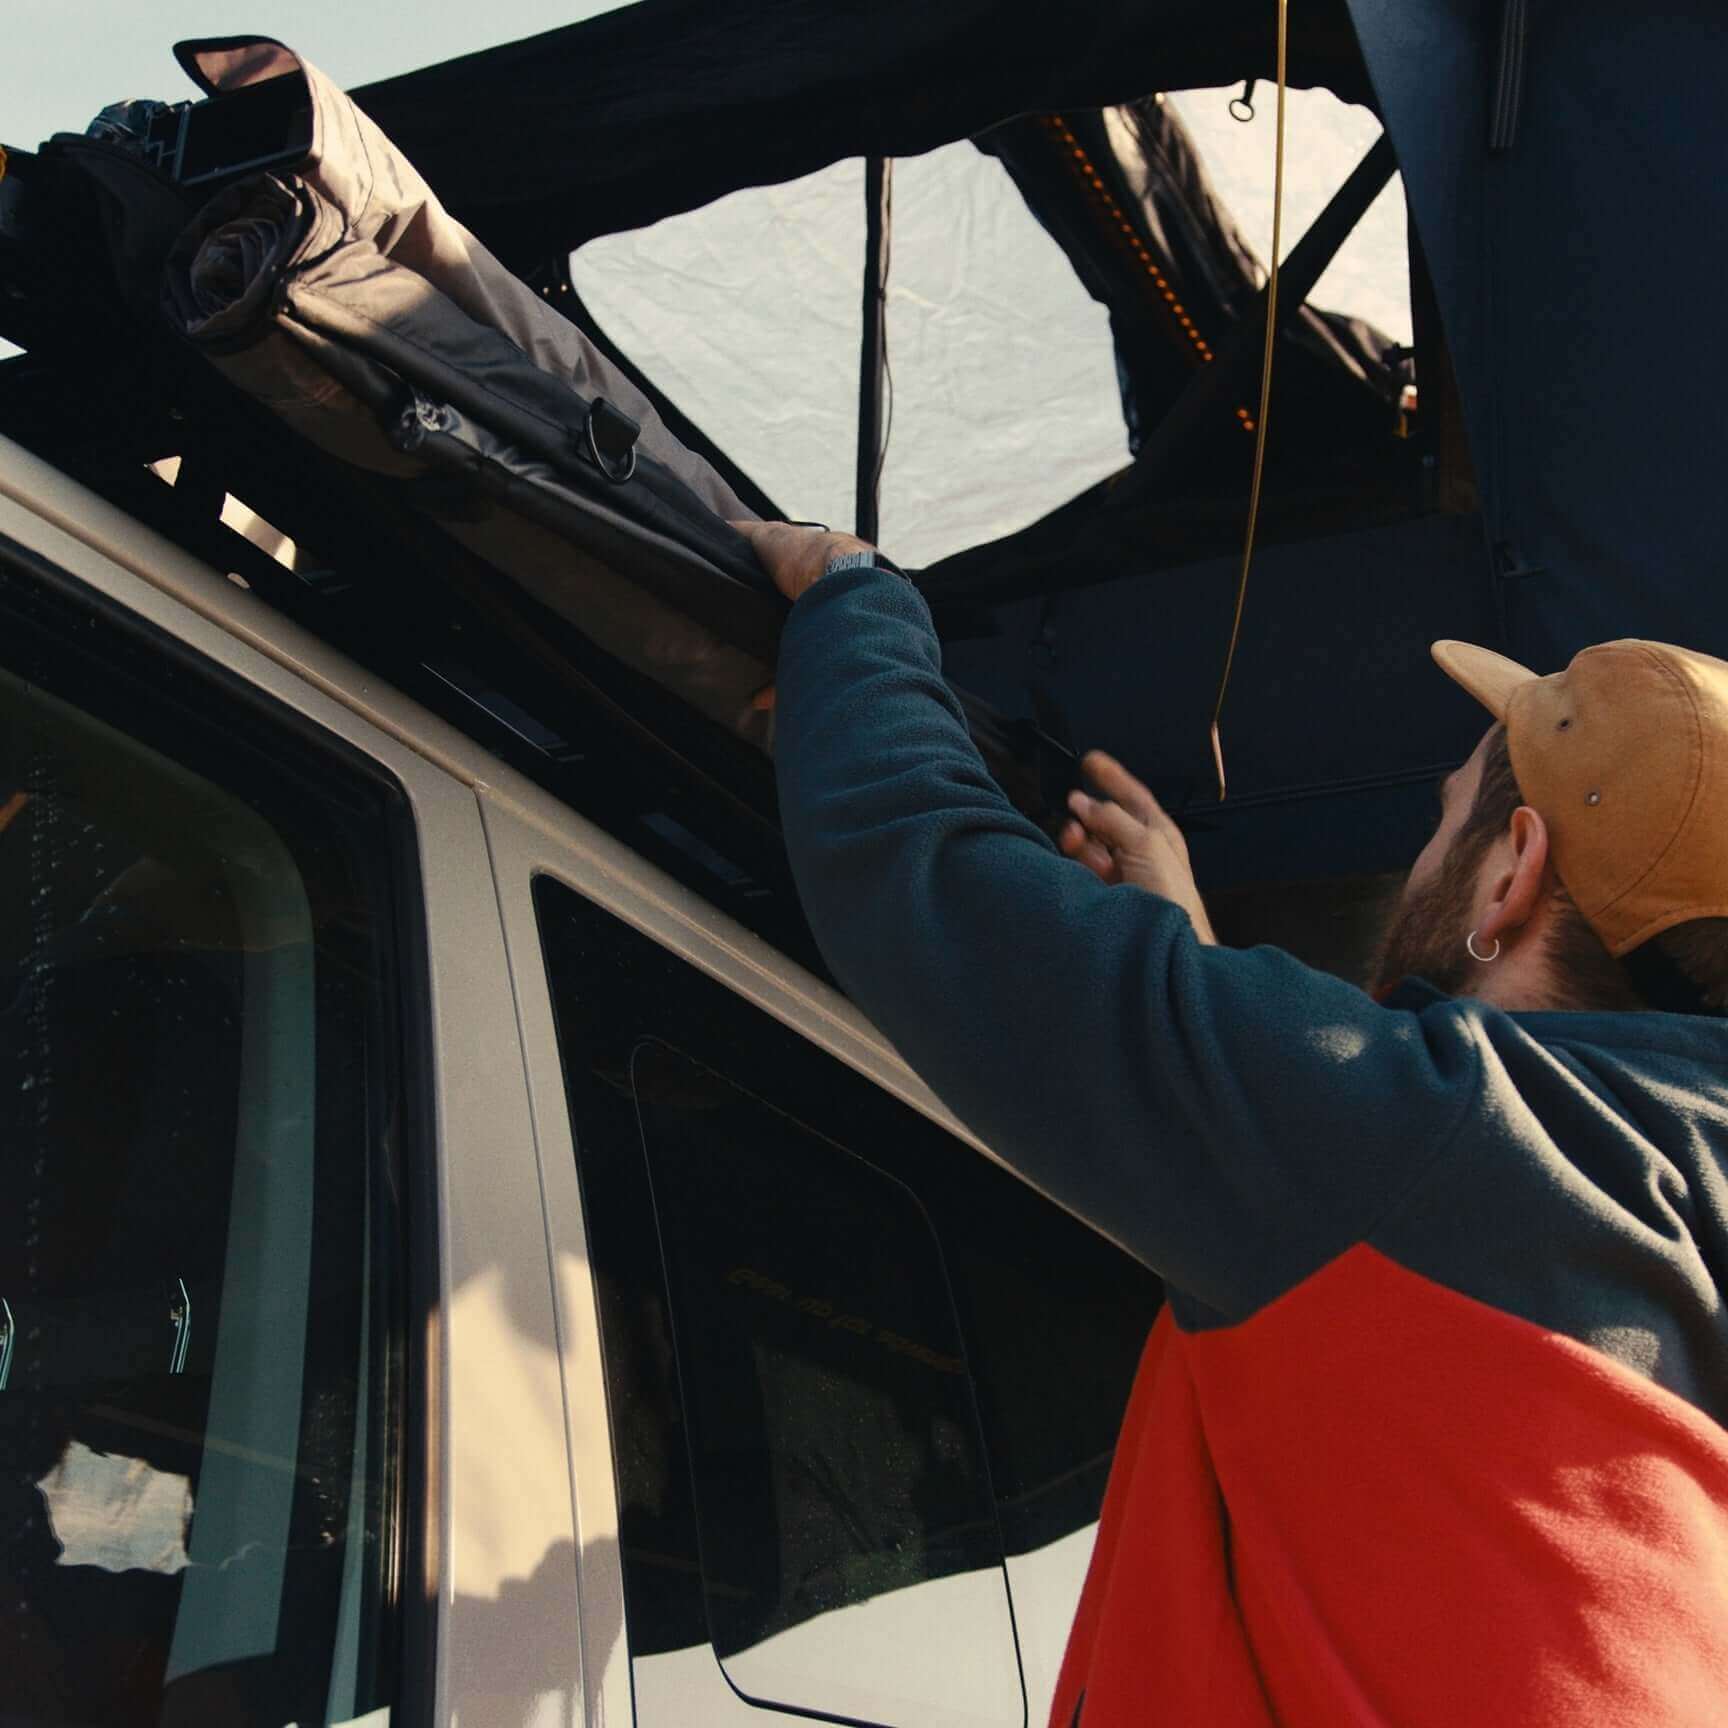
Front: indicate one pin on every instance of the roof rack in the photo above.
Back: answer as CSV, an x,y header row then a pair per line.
x,y
379,581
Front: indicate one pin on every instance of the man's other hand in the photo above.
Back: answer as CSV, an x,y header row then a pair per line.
x,y
795,556
1125,837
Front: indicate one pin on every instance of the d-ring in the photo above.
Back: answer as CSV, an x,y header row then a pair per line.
x,y
1481,959
616,456
616,471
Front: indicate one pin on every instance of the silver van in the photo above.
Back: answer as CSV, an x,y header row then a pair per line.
x,y
451,1268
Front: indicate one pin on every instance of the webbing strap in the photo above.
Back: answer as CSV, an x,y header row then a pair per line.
x,y
1265,398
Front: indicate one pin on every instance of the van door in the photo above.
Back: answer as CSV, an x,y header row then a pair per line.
x,y
281,1436
848,1390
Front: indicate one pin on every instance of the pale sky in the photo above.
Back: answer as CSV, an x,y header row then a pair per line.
x,y
64,59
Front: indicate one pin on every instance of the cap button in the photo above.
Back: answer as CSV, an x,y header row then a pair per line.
x,y
1593,798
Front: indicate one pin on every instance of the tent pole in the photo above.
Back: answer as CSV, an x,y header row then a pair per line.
x,y
1210,385
873,344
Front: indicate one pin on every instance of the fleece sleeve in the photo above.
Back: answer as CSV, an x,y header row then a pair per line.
x,y
1233,1118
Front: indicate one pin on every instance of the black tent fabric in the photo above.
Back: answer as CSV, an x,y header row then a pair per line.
x,y
661,107
1578,267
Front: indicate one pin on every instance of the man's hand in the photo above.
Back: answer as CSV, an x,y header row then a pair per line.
x,y
796,556
1125,837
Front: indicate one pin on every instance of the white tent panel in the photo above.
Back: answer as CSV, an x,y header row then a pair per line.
x,y
747,314
1004,399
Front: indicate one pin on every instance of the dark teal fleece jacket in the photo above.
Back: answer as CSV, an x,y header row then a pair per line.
x,y
1234,1118
1430,1431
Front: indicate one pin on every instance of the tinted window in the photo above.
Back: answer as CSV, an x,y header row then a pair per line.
x,y
832,1433
791,1195
201,1361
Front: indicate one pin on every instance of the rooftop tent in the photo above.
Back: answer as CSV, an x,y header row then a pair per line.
x,y
1551,154
1108,620
1545,493
1550,159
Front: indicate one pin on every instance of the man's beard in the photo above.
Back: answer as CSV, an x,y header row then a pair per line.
x,y
1429,927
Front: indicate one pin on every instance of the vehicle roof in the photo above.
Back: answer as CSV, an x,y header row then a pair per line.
x,y
45,512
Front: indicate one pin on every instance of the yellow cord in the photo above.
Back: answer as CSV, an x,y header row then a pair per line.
x,y
1265,398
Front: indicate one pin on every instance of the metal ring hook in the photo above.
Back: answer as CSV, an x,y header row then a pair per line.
x,y
618,472
1242,107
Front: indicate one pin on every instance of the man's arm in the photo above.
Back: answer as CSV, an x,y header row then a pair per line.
x,y
1233,1118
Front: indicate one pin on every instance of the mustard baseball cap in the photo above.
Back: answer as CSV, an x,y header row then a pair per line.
x,y
1625,756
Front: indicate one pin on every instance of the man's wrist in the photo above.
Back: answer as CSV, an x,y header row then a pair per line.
x,y
796,555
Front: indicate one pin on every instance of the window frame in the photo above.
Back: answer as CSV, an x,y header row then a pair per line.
x,y
818,1037
82,630
924,1252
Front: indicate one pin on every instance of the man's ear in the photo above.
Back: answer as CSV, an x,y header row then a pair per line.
x,y
1526,883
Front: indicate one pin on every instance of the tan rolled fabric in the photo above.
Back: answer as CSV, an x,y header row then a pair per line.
x,y
387,211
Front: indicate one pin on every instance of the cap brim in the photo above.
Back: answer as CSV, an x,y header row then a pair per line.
x,y
1489,677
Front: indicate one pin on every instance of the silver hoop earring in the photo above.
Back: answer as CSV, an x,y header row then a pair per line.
x,y
1481,959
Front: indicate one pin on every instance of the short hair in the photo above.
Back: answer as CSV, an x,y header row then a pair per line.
x,y
1588,976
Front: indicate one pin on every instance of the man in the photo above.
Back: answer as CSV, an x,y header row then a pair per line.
x,y
1431,1430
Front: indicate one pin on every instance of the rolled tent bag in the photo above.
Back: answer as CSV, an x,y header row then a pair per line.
x,y
336,291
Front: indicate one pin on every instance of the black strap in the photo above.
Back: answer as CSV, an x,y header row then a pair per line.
x,y
1508,90
873,384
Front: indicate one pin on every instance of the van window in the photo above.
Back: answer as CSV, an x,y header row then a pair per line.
x,y
200,1366
847,1535
848,1362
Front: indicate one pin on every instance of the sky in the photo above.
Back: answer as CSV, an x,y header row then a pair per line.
x,y
65,59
